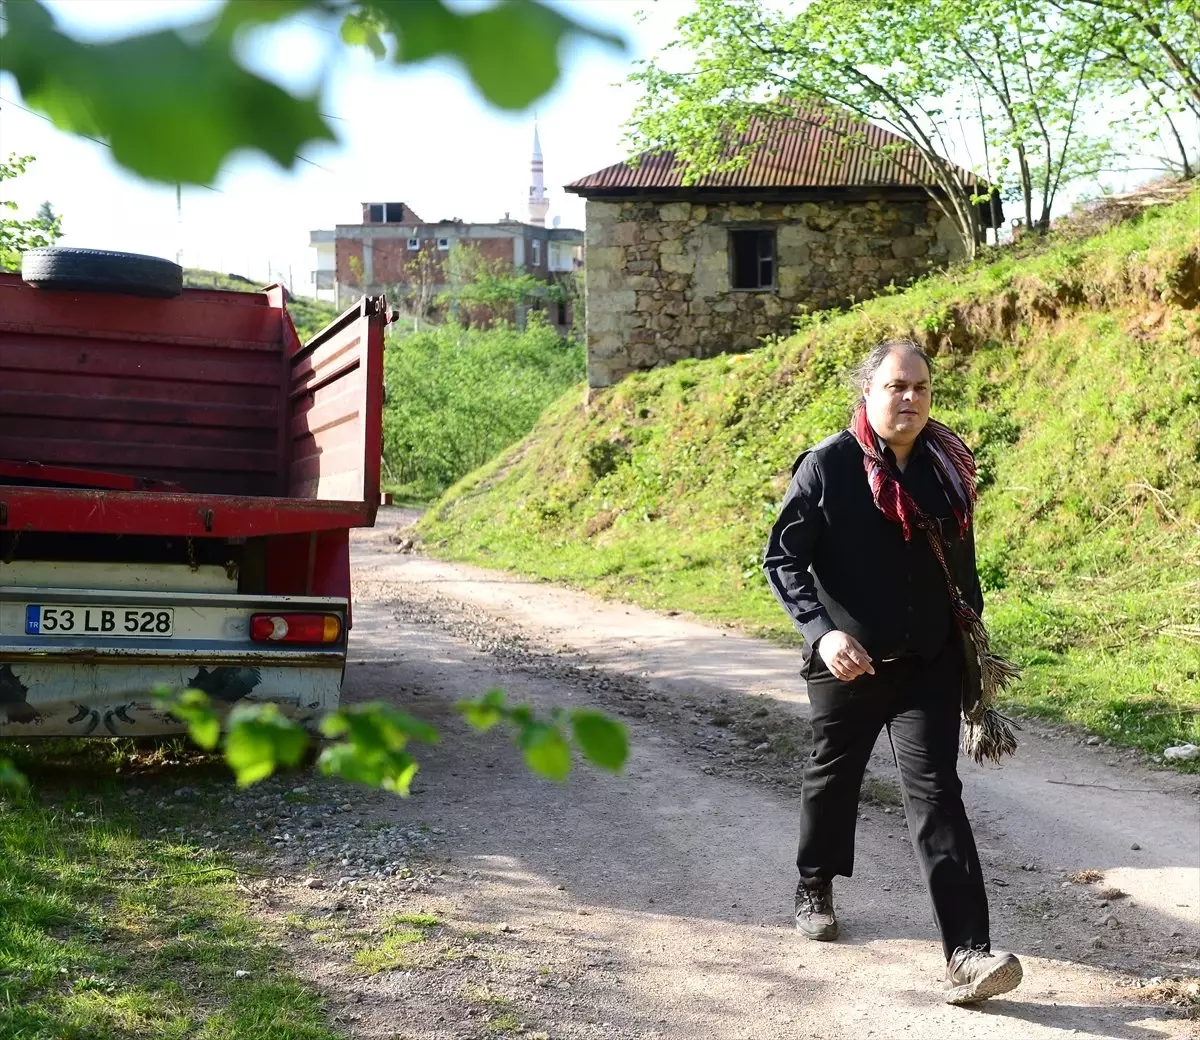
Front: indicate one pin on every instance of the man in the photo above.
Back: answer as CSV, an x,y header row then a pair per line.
x,y
851,562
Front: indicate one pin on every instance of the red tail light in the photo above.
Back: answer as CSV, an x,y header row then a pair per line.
x,y
295,628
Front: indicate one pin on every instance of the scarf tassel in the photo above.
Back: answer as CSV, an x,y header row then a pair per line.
x,y
987,734
990,738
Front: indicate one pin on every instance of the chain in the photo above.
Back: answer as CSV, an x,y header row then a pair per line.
x,y
12,549
191,554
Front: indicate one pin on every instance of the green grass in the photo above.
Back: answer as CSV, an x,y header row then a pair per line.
x,y
881,791
109,932
394,950
308,315
1073,373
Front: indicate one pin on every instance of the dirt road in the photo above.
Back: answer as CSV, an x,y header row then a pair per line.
x,y
657,903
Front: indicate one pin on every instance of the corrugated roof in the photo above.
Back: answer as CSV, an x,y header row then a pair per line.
x,y
811,150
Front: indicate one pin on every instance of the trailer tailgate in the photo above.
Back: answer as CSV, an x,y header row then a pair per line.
x,y
330,444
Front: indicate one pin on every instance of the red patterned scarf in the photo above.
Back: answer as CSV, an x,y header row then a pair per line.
x,y
952,459
986,733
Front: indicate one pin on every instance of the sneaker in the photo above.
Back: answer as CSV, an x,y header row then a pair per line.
x,y
976,974
814,911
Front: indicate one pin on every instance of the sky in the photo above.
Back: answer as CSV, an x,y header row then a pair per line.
x,y
419,134
422,136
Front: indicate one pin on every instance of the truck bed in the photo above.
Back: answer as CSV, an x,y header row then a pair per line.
x,y
211,391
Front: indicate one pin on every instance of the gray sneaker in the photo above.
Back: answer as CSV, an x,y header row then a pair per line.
x,y
976,974
814,911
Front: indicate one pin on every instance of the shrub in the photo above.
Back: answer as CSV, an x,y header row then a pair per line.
x,y
457,397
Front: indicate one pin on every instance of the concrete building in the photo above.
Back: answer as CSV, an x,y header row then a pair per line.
x,y
393,248
824,212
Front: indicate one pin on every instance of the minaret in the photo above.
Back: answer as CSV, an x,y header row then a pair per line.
x,y
539,205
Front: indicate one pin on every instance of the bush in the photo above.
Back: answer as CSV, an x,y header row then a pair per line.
x,y
457,397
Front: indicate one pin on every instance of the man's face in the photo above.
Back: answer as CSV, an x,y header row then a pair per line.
x,y
898,398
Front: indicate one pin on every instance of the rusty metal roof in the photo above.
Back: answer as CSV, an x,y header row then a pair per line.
x,y
815,149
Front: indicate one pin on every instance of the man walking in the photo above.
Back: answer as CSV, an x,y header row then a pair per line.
x,y
873,557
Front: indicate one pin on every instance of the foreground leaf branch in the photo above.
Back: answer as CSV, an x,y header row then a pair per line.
x,y
175,105
370,742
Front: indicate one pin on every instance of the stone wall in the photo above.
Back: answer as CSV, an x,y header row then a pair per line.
x,y
658,273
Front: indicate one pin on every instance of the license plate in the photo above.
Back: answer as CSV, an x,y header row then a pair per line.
x,y
73,620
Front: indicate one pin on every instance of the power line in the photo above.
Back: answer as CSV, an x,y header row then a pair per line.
x,y
47,119
96,140
314,25
80,133
316,164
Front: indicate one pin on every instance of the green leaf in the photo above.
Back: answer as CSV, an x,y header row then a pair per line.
x,y
372,752
193,708
484,712
378,725
11,778
359,30
172,109
602,741
245,14
392,771
510,50
175,105
205,731
546,751
260,738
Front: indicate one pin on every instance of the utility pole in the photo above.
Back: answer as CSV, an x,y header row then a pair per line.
x,y
179,223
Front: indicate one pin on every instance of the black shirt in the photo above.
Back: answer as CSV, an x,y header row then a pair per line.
x,y
836,562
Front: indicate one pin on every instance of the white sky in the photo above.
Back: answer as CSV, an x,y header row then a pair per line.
x,y
420,135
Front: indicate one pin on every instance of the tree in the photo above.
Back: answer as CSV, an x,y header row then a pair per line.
x,y
1007,70
1029,83
493,286
205,104
1149,46
754,61
18,236
423,275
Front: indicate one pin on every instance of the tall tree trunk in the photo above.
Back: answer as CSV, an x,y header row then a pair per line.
x,y
1185,160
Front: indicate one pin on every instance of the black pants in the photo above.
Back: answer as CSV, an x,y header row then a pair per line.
x,y
919,702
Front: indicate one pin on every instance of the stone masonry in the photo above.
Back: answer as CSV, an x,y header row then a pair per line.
x,y
659,283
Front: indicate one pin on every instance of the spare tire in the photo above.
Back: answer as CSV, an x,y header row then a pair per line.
x,y
99,270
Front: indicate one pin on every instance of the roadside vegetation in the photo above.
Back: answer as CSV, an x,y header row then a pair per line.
x,y
117,921
457,397
1070,366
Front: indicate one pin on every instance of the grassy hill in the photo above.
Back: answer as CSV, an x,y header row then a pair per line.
x,y
308,315
1074,374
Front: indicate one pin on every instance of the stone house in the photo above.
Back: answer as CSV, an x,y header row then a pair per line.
x,y
811,221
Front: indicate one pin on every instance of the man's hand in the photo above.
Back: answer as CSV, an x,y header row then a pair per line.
x,y
844,656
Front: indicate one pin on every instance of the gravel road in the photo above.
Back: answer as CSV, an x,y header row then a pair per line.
x,y
657,903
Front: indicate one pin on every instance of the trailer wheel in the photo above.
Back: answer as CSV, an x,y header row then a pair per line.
x,y
100,270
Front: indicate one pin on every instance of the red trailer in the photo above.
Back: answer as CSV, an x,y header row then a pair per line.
x,y
178,478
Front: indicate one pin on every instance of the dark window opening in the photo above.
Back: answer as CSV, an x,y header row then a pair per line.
x,y
375,213
752,259
393,212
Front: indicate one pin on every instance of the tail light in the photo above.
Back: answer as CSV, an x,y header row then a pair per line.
x,y
295,628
